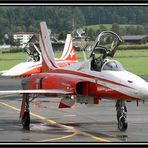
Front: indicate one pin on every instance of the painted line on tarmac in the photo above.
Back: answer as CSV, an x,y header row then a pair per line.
x,y
35,115
97,138
64,137
4,104
76,132
43,118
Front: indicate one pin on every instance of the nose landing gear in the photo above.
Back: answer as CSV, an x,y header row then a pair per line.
x,y
25,113
121,115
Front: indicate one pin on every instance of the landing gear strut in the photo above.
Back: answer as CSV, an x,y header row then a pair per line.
x,y
121,115
25,113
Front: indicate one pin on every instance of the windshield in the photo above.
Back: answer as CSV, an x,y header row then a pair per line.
x,y
112,66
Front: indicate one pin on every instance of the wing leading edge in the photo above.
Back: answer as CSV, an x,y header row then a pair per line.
x,y
36,91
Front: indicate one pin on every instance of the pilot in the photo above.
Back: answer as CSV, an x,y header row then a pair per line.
x,y
99,63
93,62
96,63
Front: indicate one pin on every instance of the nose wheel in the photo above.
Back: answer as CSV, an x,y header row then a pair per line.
x,y
122,124
121,115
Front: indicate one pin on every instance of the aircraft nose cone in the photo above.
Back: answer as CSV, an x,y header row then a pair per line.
x,y
144,91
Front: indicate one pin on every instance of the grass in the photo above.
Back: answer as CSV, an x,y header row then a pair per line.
x,y
16,56
131,53
9,60
136,65
108,26
95,27
135,61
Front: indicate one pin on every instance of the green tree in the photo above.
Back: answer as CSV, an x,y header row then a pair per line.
x,y
122,31
102,28
62,35
98,32
130,30
11,41
139,30
145,26
17,43
91,33
115,28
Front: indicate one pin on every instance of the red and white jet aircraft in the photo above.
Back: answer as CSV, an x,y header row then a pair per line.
x,y
34,64
86,82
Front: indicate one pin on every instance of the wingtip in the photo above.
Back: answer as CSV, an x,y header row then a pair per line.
x,y
62,105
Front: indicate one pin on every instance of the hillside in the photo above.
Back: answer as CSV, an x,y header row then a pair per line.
x,y
64,19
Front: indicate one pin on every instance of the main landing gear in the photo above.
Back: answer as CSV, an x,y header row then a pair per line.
x,y
25,113
121,115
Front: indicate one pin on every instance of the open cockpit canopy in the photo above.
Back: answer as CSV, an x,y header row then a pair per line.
x,y
105,44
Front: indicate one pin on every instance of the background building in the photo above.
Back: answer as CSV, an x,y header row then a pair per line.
x,y
135,39
23,37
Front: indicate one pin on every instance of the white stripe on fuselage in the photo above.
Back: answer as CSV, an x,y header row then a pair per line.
x,y
130,91
120,77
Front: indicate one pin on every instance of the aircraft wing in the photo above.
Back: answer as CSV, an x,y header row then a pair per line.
x,y
36,91
1,72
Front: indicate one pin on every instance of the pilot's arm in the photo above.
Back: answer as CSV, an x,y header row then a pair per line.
x,y
93,63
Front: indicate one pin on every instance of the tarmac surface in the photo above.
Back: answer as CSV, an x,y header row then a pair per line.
x,y
80,124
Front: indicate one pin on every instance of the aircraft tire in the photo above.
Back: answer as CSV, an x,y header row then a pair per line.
x,y
122,124
26,121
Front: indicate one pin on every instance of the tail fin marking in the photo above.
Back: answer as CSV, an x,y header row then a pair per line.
x,y
46,48
69,51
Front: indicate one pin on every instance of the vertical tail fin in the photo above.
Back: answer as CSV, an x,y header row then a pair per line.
x,y
69,51
46,49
